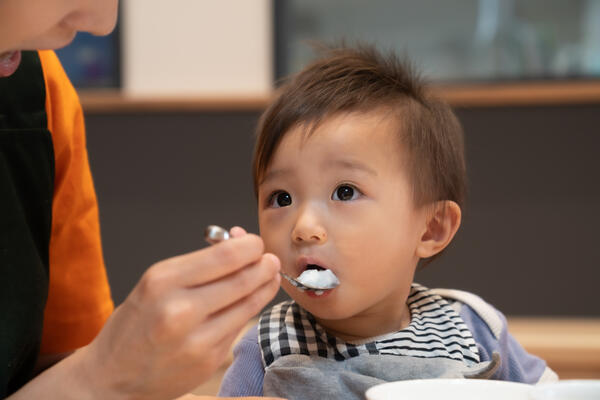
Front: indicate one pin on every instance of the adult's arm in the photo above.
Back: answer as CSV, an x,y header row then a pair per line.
x,y
174,329
79,300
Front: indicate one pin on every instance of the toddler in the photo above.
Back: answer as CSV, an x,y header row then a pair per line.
x,y
359,170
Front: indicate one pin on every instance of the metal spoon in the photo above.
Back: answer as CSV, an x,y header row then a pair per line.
x,y
215,234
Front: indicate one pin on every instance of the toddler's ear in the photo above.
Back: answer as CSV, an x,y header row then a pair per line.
x,y
441,226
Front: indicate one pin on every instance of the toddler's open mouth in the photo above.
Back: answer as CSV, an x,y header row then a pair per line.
x,y
314,267
319,278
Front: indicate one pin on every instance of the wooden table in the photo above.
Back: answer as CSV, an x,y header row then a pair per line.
x,y
570,346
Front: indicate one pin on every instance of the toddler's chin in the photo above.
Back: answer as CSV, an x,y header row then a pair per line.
x,y
327,311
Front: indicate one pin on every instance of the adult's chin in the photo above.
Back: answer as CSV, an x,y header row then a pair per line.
x,y
55,38
9,62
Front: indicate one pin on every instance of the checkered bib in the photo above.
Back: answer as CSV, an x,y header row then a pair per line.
x,y
302,361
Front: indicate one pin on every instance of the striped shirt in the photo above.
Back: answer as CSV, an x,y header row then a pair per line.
x,y
436,330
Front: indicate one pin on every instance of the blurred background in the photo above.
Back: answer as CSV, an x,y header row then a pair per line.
x,y
173,95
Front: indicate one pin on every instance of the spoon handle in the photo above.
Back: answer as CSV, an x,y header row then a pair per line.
x,y
214,234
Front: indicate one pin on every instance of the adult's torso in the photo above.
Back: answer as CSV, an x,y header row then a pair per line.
x,y
26,191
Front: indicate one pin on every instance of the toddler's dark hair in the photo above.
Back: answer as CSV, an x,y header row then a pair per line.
x,y
361,79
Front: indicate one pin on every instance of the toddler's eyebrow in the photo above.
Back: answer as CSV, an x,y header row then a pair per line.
x,y
274,174
351,164
339,163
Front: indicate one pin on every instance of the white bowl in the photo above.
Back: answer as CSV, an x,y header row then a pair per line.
x,y
449,389
567,390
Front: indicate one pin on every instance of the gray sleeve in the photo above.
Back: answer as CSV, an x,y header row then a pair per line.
x,y
246,374
516,364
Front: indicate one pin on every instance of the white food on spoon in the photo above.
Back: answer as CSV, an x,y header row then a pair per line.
x,y
319,279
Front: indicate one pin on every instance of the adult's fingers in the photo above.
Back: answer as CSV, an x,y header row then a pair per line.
x,y
214,262
220,294
237,231
233,318
199,397
210,342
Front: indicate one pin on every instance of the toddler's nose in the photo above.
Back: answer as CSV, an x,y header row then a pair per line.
x,y
309,230
313,237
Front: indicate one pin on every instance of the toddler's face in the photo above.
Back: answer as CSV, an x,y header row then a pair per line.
x,y
341,199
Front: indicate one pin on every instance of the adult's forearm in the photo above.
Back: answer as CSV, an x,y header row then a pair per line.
x,y
67,379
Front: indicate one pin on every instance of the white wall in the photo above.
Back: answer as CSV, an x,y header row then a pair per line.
x,y
206,48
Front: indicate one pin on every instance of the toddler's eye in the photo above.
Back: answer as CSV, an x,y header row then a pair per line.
x,y
345,193
280,199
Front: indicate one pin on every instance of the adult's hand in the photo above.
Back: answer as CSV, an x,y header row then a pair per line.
x,y
199,397
175,328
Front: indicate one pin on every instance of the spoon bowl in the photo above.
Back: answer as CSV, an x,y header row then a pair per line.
x,y
305,286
